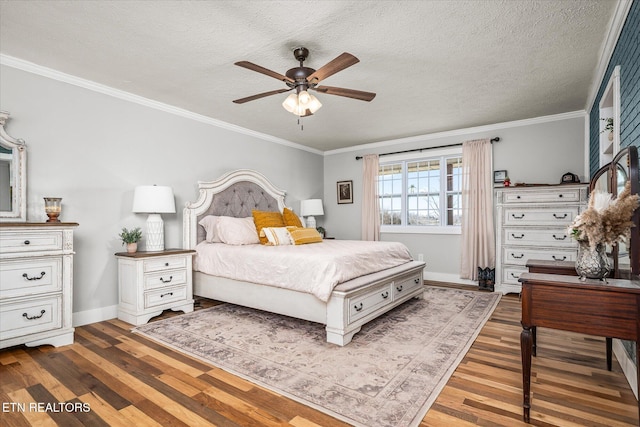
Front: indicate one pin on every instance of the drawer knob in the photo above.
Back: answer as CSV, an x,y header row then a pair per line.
x,y
399,288
556,216
358,307
517,257
166,264
560,238
166,281
26,276
517,197
385,295
167,294
26,242
517,237
559,195
33,317
517,217
555,258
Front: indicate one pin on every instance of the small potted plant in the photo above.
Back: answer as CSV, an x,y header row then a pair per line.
x,y
608,127
131,238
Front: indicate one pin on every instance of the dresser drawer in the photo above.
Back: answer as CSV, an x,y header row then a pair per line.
x,y
164,296
406,285
28,277
556,237
556,195
362,305
30,317
31,241
511,274
166,263
165,278
520,256
551,217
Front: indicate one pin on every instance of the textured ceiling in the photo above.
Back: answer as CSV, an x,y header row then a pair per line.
x,y
435,65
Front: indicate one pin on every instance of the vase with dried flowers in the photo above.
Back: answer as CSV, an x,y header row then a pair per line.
x,y
606,221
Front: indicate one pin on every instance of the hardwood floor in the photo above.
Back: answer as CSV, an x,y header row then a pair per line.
x,y
113,377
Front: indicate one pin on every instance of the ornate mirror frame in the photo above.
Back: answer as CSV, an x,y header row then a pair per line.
x,y
18,174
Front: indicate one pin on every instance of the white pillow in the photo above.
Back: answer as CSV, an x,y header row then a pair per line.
x,y
277,236
237,231
210,224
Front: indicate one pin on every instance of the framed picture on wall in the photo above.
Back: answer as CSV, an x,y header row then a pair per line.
x,y
345,192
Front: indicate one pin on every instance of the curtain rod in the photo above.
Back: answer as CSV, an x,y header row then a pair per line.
x,y
496,139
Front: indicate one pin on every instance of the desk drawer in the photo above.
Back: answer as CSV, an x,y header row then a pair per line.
x,y
29,277
30,241
30,317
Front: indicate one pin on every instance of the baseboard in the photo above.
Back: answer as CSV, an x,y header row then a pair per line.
x,y
96,315
627,365
448,278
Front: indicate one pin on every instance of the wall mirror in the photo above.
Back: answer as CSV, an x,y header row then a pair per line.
x,y
612,178
13,175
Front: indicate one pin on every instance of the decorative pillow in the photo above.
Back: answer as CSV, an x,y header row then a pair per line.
x,y
277,236
266,219
302,236
210,225
237,231
290,218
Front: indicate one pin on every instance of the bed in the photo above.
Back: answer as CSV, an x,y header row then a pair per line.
x,y
354,298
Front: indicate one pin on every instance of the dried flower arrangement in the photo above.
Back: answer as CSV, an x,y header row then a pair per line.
x,y
606,220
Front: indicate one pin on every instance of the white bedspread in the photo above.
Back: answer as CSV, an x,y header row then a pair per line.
x,y
314,268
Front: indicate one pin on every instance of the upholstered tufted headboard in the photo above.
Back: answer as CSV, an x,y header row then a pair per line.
x,y
235,194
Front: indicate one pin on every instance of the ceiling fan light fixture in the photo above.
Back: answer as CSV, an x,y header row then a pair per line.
x,y
291,103
298,104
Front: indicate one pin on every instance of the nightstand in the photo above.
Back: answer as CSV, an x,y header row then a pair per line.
x,y
150,282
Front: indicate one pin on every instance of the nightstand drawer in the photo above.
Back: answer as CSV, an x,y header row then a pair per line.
x,y
166,263
30,317
31,241
165,296
29,277
165,278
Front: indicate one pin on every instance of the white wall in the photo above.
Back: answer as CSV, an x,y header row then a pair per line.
x,y
92,149
537,151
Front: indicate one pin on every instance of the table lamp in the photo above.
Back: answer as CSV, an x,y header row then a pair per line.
x,y
310,208
154,200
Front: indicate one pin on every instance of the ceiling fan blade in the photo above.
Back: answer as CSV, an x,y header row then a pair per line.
x,y
260,95
253,67
338,64
349,93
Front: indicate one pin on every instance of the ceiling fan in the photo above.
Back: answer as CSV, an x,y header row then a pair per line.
x,y
302,78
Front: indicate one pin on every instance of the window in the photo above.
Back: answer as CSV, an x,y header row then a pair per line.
x,y
421,195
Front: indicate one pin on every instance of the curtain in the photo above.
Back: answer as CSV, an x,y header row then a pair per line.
x,y
370,203
478,234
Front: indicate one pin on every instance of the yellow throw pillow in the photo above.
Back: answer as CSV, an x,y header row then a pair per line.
x,y
266,219
290,218
302,236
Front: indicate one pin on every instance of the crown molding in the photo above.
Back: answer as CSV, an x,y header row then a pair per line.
x,y
30,67
607,48
462,132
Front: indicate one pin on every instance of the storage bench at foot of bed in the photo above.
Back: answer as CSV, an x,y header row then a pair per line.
x,y
361,300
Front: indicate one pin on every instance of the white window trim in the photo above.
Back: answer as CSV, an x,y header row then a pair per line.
x,y
424,229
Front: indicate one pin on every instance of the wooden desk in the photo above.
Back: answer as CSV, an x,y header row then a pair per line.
x,y
592,307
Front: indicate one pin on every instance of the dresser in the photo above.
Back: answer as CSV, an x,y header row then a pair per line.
x,y
531,223
151,282
36,283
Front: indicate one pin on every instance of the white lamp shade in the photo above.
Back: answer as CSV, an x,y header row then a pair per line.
x,y
311,207
153,199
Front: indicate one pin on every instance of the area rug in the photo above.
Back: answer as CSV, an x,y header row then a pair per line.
x,y
389,375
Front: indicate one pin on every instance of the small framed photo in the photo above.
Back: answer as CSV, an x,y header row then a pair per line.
x,y
345,192
499,176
